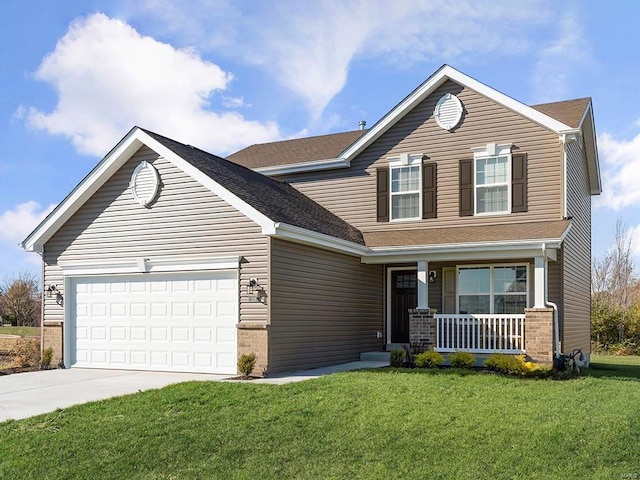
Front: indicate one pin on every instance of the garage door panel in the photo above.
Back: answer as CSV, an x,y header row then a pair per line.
x,y
172,322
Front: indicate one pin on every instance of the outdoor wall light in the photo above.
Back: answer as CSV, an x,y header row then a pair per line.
x,y
51,289
432,276
253,283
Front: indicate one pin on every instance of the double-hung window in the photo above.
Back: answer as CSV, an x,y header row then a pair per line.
x,y
492,289
406,187
492,179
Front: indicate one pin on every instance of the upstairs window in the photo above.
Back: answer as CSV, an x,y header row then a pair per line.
x,y
492,185
406,187
494,182
405,192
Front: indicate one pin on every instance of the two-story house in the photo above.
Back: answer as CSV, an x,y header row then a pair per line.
x,y
459,221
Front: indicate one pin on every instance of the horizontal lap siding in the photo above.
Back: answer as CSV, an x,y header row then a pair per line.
x,y
325,307
186,219
577,255
351,193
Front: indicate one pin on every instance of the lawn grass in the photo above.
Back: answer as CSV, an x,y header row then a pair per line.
x,y
379,424
22,331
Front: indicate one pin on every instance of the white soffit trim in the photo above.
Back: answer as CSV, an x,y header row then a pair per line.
x,y
443,74
313,166
320,240
152,265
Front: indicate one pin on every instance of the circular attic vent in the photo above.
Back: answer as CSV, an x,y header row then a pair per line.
x,y
144,183
448,111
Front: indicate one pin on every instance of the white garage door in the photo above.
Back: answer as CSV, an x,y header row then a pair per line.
x,y
182,322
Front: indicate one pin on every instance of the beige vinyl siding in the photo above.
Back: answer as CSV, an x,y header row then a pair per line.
x,y
577,255
185,220
351,193
325,307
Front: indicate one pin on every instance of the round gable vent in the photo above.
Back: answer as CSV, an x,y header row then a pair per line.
x,y
448,111
144,183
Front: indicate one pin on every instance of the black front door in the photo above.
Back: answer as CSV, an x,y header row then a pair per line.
x,y
403,297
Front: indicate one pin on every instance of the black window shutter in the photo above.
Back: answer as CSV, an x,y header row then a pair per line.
x,y
383,195
519,182
466,188
429,190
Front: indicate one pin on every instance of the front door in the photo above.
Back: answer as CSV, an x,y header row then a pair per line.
x,y
403,297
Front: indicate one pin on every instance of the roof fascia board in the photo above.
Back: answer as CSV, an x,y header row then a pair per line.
x,y
313,166
90,184
592,155
466,251
321,240
443,74
252,213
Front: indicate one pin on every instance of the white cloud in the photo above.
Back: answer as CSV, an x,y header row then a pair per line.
x,y
15,225
309,46
109,77
620,163
559,61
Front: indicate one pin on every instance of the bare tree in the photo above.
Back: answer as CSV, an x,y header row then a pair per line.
x,y
20,299
613,281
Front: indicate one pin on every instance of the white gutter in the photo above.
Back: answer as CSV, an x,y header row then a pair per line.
x,y
313,166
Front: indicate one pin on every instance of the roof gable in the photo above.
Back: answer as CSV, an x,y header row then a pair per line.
x,y
263,200
443,74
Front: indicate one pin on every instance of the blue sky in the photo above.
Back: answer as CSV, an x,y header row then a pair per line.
x,y
77,75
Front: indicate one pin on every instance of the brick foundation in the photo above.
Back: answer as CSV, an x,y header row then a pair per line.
x,y
422,329
538,334
52,337
253,337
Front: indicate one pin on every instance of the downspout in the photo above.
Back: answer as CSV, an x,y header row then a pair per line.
x,y
556,327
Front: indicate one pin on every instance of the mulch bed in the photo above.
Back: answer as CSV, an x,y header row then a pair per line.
x,y
244,377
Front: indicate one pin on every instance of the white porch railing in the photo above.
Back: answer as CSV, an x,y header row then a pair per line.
x,y
480,333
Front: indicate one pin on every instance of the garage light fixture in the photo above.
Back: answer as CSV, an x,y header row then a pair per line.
x,y
51,289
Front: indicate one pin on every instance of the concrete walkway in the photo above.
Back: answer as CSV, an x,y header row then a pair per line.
x,y
28,394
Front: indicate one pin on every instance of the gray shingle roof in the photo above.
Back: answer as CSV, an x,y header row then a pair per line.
x,y
279,201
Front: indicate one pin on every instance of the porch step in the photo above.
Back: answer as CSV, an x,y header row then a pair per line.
x,y
396,346
375,357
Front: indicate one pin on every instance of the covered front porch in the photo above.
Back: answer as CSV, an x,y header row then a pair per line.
x,y
491,300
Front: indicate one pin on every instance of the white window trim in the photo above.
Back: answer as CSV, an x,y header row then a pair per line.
x,y
492,293
405,160
492,150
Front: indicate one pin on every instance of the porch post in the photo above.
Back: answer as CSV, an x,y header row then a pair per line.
x,y
539,286
423,285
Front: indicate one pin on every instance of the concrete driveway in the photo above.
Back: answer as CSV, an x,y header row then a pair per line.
x,y
27,394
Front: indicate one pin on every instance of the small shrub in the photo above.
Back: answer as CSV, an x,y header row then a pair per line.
x,y
624,349
462,360
26,352
428,359
247,363
397,358
47,357
515,365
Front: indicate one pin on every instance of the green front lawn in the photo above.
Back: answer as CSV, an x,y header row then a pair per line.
x,y
22,331
384,424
